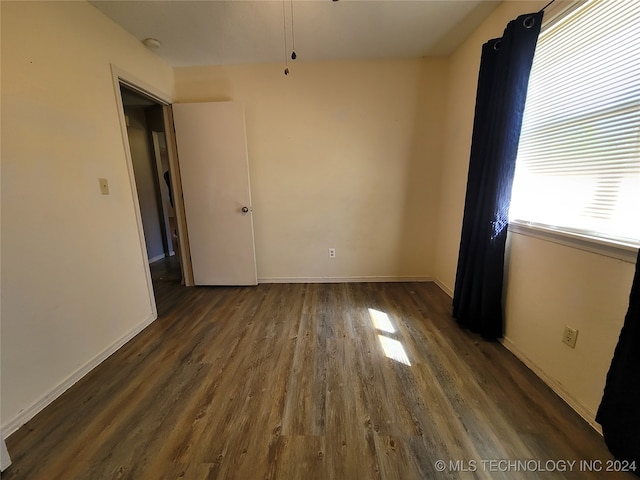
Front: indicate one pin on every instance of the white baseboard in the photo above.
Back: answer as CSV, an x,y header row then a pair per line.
x,y
31,411
444,287
342,279
156,258
586,413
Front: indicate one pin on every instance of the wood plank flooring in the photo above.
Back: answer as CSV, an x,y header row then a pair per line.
x,y
292,381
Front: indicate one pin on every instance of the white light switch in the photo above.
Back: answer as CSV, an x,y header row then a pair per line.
x,y
104,186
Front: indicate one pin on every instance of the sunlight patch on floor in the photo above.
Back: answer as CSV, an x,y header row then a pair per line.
x,y
381,321
393,349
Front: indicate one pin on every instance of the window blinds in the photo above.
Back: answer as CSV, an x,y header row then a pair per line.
x,y
578,165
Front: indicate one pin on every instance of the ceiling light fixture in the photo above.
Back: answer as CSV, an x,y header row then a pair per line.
x,y
151,43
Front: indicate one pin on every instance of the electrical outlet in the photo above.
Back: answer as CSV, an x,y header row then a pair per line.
x,y
570,336
332,253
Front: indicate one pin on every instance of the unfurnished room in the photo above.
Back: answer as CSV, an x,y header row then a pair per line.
x,y
332,239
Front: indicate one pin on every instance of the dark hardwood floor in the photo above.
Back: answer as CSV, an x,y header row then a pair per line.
x,y
303,381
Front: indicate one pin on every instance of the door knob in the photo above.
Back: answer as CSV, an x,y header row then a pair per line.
x,y
245,210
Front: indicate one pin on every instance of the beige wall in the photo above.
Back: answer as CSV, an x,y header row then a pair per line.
x,y
73,275
548,285
341,154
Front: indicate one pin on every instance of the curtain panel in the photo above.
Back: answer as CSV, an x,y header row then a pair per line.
x,y
619,411
502,90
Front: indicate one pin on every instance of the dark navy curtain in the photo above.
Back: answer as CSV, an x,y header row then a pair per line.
x,y
619,412
502,90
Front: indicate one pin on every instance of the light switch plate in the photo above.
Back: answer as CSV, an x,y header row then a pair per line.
x,y
104,186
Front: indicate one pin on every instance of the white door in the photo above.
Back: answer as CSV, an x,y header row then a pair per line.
x,y
212,154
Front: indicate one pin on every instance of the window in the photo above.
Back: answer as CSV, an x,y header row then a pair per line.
x,y
578,165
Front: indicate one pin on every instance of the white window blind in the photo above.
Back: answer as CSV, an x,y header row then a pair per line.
x,y
578,165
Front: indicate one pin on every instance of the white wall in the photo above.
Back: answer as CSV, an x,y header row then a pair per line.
x,y
547,285
73,273
343,155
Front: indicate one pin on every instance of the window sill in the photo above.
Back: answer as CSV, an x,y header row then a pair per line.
x,y
620,251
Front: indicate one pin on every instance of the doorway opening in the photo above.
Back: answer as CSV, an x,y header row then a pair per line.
x,y
147,134
147,144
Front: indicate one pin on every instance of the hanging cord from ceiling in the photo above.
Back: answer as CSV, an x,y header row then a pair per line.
x,y
293,54
293,35
284,36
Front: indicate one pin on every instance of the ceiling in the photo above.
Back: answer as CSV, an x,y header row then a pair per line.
x,y
217,32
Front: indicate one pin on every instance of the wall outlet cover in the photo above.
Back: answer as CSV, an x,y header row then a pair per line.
x,y
570,336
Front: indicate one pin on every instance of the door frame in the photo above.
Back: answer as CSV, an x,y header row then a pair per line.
x,y
123,78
